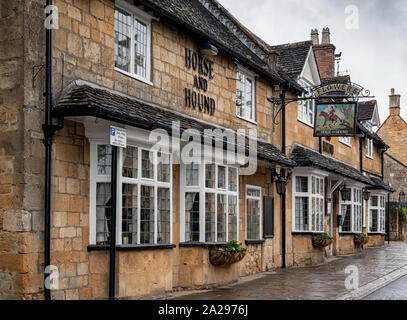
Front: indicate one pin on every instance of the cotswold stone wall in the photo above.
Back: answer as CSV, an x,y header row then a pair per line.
x,y
395,172
21,149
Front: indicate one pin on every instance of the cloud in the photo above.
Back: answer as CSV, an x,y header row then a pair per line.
x,y
375,55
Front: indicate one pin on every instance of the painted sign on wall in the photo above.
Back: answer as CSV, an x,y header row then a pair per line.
x,y
335,120
196,97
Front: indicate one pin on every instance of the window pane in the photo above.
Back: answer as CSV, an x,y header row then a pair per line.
x,y
130,163
232,227
374,201
374,220
163,215
163,167
192,174
147,164
221,218
122,40
301,184
210,217
140,48
104,159
103,211
313,185
129,213
249,98
147,215
314,214
192,216
240,100
210,176
253,219
253,192
221,177
346,214
232,176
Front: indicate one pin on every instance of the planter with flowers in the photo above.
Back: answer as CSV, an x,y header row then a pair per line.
x,y
232,253
361,239
322,240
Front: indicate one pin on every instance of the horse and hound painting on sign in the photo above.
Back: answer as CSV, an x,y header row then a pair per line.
x,y
335,120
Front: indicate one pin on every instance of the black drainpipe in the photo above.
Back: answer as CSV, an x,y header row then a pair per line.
x,y
283,196
113,195
361,154
320,145
49,130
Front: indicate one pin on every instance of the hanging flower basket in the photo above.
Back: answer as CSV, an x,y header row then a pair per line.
x,y
223,258
322,241
233,253
361,239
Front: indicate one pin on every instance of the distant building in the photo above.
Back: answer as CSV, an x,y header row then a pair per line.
x,y
394,132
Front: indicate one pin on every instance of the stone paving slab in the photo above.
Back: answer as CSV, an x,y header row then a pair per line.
x,y
377,267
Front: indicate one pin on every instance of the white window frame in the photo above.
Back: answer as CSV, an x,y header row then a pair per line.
x,y
310,195
146,19
202,190
252,76
353,202
139,181
369,148
381,213
306,108
260,199
346,141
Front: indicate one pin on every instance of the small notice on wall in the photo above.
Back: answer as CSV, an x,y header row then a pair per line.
x,y
118,137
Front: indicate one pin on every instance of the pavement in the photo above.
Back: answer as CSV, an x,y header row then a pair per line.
x,y
381,272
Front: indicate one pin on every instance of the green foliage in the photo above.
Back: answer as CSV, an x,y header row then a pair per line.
x,y
232,246
324,236
403,213
362,235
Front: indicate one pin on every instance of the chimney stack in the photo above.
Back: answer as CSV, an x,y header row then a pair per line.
x,y
326,36
315,37
394,104
324,53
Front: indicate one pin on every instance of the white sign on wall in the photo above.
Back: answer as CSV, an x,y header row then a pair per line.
x,y
118,137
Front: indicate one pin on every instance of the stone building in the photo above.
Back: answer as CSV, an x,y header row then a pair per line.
x,y
394,132
181,74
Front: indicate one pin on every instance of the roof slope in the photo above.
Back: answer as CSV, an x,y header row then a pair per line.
x,y
366,110
293,55
307,157
192,15
86,99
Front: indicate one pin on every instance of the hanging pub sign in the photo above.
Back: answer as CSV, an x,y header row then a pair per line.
x,y
346,88
335,119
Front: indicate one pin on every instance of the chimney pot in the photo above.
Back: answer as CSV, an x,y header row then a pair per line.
x,y
315,37
326,36
394,103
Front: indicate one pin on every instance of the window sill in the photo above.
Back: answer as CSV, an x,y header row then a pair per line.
x,y
349,233
306,123
376,234
201,245
135,77
248,242
305,233
369,157
247,120
132,247
346,144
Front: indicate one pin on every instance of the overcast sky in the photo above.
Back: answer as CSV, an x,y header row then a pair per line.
x,y
375,55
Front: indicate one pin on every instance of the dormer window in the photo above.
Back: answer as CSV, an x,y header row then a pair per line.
x,y
132,50
369,148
